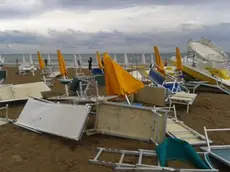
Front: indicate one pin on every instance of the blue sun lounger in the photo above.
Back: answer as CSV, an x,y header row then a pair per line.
x,y
219,152
175,92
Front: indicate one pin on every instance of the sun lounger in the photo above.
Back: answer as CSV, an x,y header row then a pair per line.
x,y
182,98
63,120
9,93
175,93
169,149
219,152
177,129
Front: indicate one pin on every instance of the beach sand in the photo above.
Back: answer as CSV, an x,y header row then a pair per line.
x,y
25,151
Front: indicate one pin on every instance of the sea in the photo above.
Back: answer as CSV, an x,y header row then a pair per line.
x,y
133,58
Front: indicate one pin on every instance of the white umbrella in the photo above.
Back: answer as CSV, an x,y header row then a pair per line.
x,y
152,62
126,60
115,58
49,60
75,60
143,61
31,60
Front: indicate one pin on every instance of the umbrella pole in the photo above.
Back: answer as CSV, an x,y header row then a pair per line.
x,y
127,99
44,77
66,87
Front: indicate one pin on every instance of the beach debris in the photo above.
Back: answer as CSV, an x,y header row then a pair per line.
x,y
17,158
169,149
63,120
112,119
219,152
10,93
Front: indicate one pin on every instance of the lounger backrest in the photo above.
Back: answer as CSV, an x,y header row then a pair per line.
x,y
176,149
157,77
97,71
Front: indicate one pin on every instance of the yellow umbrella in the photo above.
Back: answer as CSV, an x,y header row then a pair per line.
x,y
99,60
159,62
61,63
118,80
41,61
178,59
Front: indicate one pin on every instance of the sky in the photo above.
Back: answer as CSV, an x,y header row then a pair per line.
x,y
84,26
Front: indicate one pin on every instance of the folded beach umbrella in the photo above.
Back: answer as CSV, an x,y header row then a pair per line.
x,y
98,56
178,59
115,58
40,61
143,61
126,61
61,63
159,62
118,80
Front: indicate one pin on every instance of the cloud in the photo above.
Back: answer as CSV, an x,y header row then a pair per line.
x,y
112,41
110,25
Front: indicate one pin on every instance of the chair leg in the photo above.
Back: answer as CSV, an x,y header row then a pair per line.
x,y
188,108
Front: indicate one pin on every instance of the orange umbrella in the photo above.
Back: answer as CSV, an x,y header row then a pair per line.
x,y
41,61
159,62
61,63
178,59
98,56
118,80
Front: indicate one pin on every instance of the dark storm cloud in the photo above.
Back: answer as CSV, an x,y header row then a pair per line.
x,y
102,4
12,11
72,40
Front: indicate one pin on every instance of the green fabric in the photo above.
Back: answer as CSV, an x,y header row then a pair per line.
x,y
100,80
3,74
176,149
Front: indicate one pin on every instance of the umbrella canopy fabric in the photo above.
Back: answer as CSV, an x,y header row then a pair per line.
x,y
178,59
61,63
118,80
98,56
40,61
159,62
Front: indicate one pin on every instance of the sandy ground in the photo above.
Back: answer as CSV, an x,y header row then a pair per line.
x,y
25,151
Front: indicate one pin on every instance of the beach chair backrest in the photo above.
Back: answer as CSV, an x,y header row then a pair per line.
x,y
97,71
156,76
176,149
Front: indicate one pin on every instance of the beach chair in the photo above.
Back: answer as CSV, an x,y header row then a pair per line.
x,y
97,71
176,93
82,86
219,152
176,149
169,149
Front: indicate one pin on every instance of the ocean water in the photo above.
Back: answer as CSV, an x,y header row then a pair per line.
x,y
133,58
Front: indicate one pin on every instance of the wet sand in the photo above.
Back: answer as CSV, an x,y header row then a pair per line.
x,y
25,151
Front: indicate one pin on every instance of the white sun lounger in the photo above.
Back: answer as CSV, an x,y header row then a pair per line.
x,y
182,98
63,120
219,152
9,93
178,129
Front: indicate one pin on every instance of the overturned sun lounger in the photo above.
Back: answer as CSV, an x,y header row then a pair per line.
x,y
9,93
112,119
169,149
63,120
219,152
